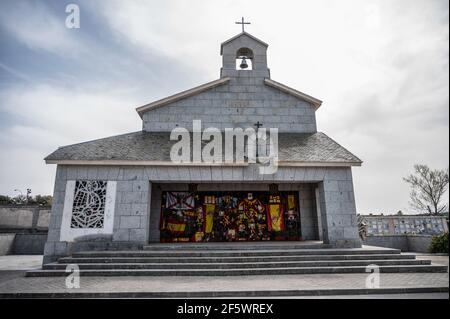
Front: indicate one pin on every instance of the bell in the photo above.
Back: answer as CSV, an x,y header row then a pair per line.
x,y
244,64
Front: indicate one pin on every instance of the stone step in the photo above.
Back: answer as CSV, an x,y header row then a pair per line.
x,y
235,246
230,253
332,292
240,271
84,260
283,264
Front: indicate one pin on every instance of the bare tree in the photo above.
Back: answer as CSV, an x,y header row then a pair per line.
x,y
427,188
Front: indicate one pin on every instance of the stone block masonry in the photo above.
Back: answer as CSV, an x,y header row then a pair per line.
x,y
23,229
405,242
239,105
6,243
29,244
132,199
136,215
24,217
338,210
238,99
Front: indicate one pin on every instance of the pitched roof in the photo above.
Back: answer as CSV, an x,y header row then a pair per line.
x,y
153,148
182,95
284,88
204,87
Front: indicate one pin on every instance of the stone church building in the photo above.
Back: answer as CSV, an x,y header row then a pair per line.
x,y
123,192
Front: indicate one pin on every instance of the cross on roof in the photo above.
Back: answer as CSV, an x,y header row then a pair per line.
x,y
258,125
242,23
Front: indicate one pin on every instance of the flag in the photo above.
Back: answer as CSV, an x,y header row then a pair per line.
x,y
291,202
180,200
175,226
209,212
275,220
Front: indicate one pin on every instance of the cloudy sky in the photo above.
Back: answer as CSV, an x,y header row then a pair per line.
x,y
381,68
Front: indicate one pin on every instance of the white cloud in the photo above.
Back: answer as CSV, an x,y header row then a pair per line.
x,y
32,24
77,113
381,68
52,117
24,168
171,29
14,72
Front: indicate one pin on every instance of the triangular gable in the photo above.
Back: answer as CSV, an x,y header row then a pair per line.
x,y
240,35
286,89
182,95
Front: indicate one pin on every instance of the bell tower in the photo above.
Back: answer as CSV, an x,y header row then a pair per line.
x,y
244,56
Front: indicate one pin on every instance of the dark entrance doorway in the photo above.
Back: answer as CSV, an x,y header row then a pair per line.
x,y
229,216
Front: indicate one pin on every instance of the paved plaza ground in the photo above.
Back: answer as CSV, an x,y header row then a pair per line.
x,y
13,281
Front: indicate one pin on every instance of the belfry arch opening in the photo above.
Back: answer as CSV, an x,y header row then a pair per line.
x,y
244,59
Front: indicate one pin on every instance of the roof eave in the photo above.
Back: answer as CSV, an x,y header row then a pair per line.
x,y
168,163
181,95
284,88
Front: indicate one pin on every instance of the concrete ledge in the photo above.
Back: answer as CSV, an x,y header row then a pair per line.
x,y
55,250
6,243
346,243
104,245
406,243
29,244
241,271
236,246
229,294
94,238
235,253
24,217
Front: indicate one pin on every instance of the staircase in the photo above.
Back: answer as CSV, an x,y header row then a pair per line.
x,y
236,259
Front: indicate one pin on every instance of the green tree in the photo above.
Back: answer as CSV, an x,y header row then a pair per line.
x,y
5,200
44,200
439,244
427,188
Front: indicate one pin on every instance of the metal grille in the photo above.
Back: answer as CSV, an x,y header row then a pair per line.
x,y
89,204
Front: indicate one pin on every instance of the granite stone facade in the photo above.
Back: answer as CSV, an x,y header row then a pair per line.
x,y
228,106
137,207
138,163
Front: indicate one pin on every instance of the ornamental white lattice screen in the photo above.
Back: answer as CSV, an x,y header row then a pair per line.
x,y
88,209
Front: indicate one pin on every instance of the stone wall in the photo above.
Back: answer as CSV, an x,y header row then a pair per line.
x,y
308,212
407,243
419,244
29,244
388,241
338,210
6,243
24,217
132,205
240,103
130,214
23,229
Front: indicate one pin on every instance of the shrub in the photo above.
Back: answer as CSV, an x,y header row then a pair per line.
x,y
439,244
